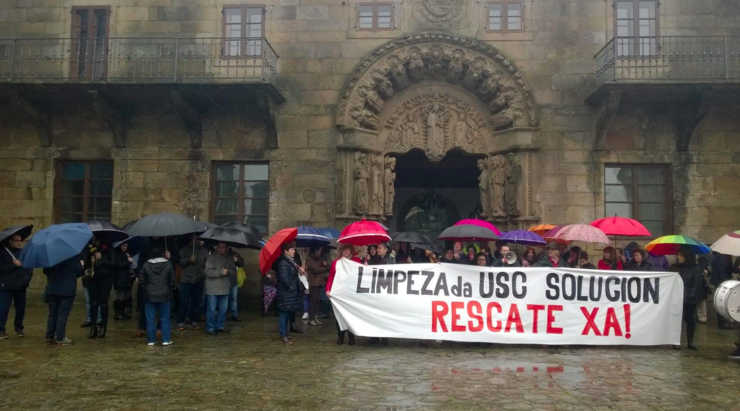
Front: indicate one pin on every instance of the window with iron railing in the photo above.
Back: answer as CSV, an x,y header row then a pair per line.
x,y
636,26
243,29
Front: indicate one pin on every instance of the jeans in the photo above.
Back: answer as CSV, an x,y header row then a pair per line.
x,y
306,302
18,297
216,303
233,292
151,321
190,295
59,309
283,322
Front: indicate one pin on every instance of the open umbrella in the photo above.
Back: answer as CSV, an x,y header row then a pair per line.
x,y
107,232
541,229
522,237
468,233
330,233
205,225
672,244
729,244
310,237
22,230
134,244
582,232
55,244
479,223
164,225
409,237
364,232
272,250
621,226
249,228
232,237
128,225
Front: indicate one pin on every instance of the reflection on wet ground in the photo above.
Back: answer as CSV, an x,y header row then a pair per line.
x,y
249,369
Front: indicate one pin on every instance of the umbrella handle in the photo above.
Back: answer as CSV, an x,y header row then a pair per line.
x,y
11,254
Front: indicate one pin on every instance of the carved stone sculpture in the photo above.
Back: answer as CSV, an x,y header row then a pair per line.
x,y
390,184
513,179
498,186
416,66
436,65
502,119
373,99
498,103
409,129
455,68
474,74
435,123
366,119
385,87
483,187
398,74
377,184
360,188
490,86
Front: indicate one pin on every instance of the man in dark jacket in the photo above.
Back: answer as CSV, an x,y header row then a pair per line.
x,y
501,262
157,279
553,259
171,253
219,267
60,294
234,285
14,280
192,281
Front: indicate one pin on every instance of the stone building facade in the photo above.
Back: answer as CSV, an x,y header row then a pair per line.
x,y
520,112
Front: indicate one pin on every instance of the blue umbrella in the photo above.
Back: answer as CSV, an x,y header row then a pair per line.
x,y
329,232
522,237
310,237
55,244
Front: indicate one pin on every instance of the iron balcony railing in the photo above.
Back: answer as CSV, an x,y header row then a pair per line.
x,y
669,58
138,60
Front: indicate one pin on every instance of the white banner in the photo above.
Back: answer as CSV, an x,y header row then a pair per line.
x,y
512,306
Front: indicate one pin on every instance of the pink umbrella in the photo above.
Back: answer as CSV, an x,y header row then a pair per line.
x,y
479,223
550,235
581,232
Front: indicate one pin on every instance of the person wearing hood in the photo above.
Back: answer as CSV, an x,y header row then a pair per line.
x,y
61,287
690,272
344,251
610,260
316,270
553,259
640,261
234,285
192,282
14,281
289,290
448,257
157,279
219,267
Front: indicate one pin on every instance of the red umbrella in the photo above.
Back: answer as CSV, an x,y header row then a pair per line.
x,y
479,223
271,251
363,232
620,226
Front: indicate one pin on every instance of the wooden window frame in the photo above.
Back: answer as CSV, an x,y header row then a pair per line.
x,y
244,40
375,16
240,216
635,44
58,177
504,16
89,65
634,186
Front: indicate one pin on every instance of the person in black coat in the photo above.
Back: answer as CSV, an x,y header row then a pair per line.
x,y
60,295
640,261
14,280
118,263
99,286
690,273
448,257
290,290
501,262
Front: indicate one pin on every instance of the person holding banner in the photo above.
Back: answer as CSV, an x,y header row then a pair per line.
x,y
385,259
640,261
344,251
553,259
693,284
448,257
610,260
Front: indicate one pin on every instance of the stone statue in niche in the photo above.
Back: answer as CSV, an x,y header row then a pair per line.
x,y
498,186
513,179
409,130
373,99
474,74
385,87
416,66
502,119
490,86
483,187
398,74
376,182
366,119
455,68
360,187
436,65
435,123
389,181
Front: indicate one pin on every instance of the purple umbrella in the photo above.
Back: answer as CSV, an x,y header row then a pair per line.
x,y
522,237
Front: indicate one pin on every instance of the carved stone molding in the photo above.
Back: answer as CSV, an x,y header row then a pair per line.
x,y
604,117
688,115
440,12
471,65
114,114
40,118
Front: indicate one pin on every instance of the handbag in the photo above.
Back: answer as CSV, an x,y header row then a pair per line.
x,y
240,277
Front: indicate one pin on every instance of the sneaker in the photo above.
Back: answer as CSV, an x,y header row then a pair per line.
x,y
317,321
3,336
65,341
150,344
194,326
735,355
223,331
181,327
166,343
312,322
211,332
20,333
305,316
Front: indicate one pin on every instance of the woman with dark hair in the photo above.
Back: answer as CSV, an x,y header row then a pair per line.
x,y
118,263
289,289
402,257
481,260
99,285
316,271
371,256
344,251
448,257
609,260
384,252
690,272
640,261
530,256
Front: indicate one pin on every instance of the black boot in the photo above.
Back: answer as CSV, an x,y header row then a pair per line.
x,y
101,332
340,338
351,339
117,310
693,346
93,331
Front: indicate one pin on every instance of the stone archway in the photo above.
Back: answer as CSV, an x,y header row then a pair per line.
x,y
435,93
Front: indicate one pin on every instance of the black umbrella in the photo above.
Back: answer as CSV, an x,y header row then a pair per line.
x,y
164,225
467,233
205,225
248,228
107,232
409,237
128,225
232,237
22,230
427,247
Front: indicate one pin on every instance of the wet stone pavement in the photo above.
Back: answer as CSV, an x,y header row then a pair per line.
x,y
250,370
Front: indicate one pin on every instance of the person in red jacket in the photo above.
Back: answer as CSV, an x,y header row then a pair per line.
x,y
344,251
610,260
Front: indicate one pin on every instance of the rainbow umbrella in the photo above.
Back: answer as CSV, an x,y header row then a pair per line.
x,y
672,244
729,244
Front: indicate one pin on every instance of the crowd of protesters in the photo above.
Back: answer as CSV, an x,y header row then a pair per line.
x,y
206,285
